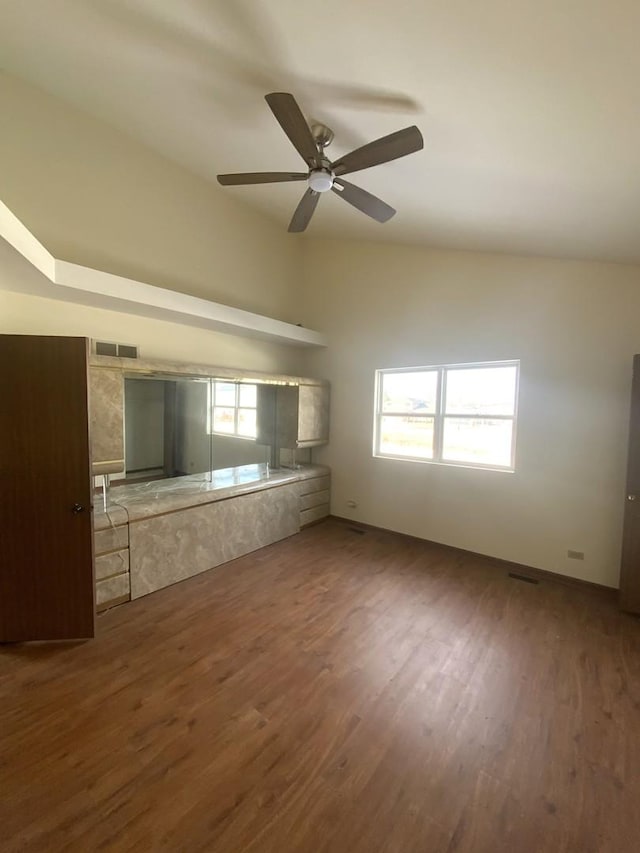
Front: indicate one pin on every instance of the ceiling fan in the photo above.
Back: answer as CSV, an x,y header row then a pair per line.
x,y
322,174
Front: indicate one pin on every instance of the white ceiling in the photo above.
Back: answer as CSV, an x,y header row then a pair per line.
x,y
530,109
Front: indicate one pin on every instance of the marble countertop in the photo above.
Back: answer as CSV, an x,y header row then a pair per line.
x,y
136,501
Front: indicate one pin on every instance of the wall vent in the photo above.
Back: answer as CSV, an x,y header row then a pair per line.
x,y
119,350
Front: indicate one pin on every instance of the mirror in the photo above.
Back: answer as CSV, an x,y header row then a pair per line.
x,y
176,426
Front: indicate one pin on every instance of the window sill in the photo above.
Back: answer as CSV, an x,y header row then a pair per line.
x,y
446,464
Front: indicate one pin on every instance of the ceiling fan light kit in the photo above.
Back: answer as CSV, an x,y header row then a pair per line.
x,y
322,174
320,180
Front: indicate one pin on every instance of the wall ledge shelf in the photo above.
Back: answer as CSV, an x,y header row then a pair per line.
x,y
82,285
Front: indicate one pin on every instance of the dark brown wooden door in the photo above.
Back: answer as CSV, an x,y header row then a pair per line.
x,y
46,531
630,568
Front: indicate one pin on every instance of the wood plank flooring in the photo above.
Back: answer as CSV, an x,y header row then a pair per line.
x,y
333,693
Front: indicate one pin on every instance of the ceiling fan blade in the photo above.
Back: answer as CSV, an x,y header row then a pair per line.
x,y
390,147
304,211
362,200
260,178
286,110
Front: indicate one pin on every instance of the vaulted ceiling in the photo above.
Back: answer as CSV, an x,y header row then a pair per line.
x,y
530,109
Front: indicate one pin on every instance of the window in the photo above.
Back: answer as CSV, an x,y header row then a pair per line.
x,y
458,414
232,409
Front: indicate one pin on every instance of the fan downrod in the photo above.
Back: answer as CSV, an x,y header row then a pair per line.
x,y
322,134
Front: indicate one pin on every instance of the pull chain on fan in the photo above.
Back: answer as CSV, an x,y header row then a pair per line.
x,y
322,174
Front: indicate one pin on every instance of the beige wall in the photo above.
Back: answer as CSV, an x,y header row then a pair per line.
x,y
575,327
97,197
23,314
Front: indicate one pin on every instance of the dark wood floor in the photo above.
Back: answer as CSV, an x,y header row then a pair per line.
x,y
334,692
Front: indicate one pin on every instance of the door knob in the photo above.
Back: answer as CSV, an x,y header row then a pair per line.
x,y
76,508
631,497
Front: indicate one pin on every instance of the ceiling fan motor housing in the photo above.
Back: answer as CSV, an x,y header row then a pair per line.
x,y
320,180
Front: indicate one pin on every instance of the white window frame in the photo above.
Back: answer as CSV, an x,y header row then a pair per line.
x,y
439,415
236,409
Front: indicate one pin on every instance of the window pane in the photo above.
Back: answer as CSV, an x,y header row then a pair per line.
x,y
247,422
248,395
480,441
223,420
406,436
225,393
481,390
410,392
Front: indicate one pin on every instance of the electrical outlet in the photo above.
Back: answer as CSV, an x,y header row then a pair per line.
x,y
575,555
